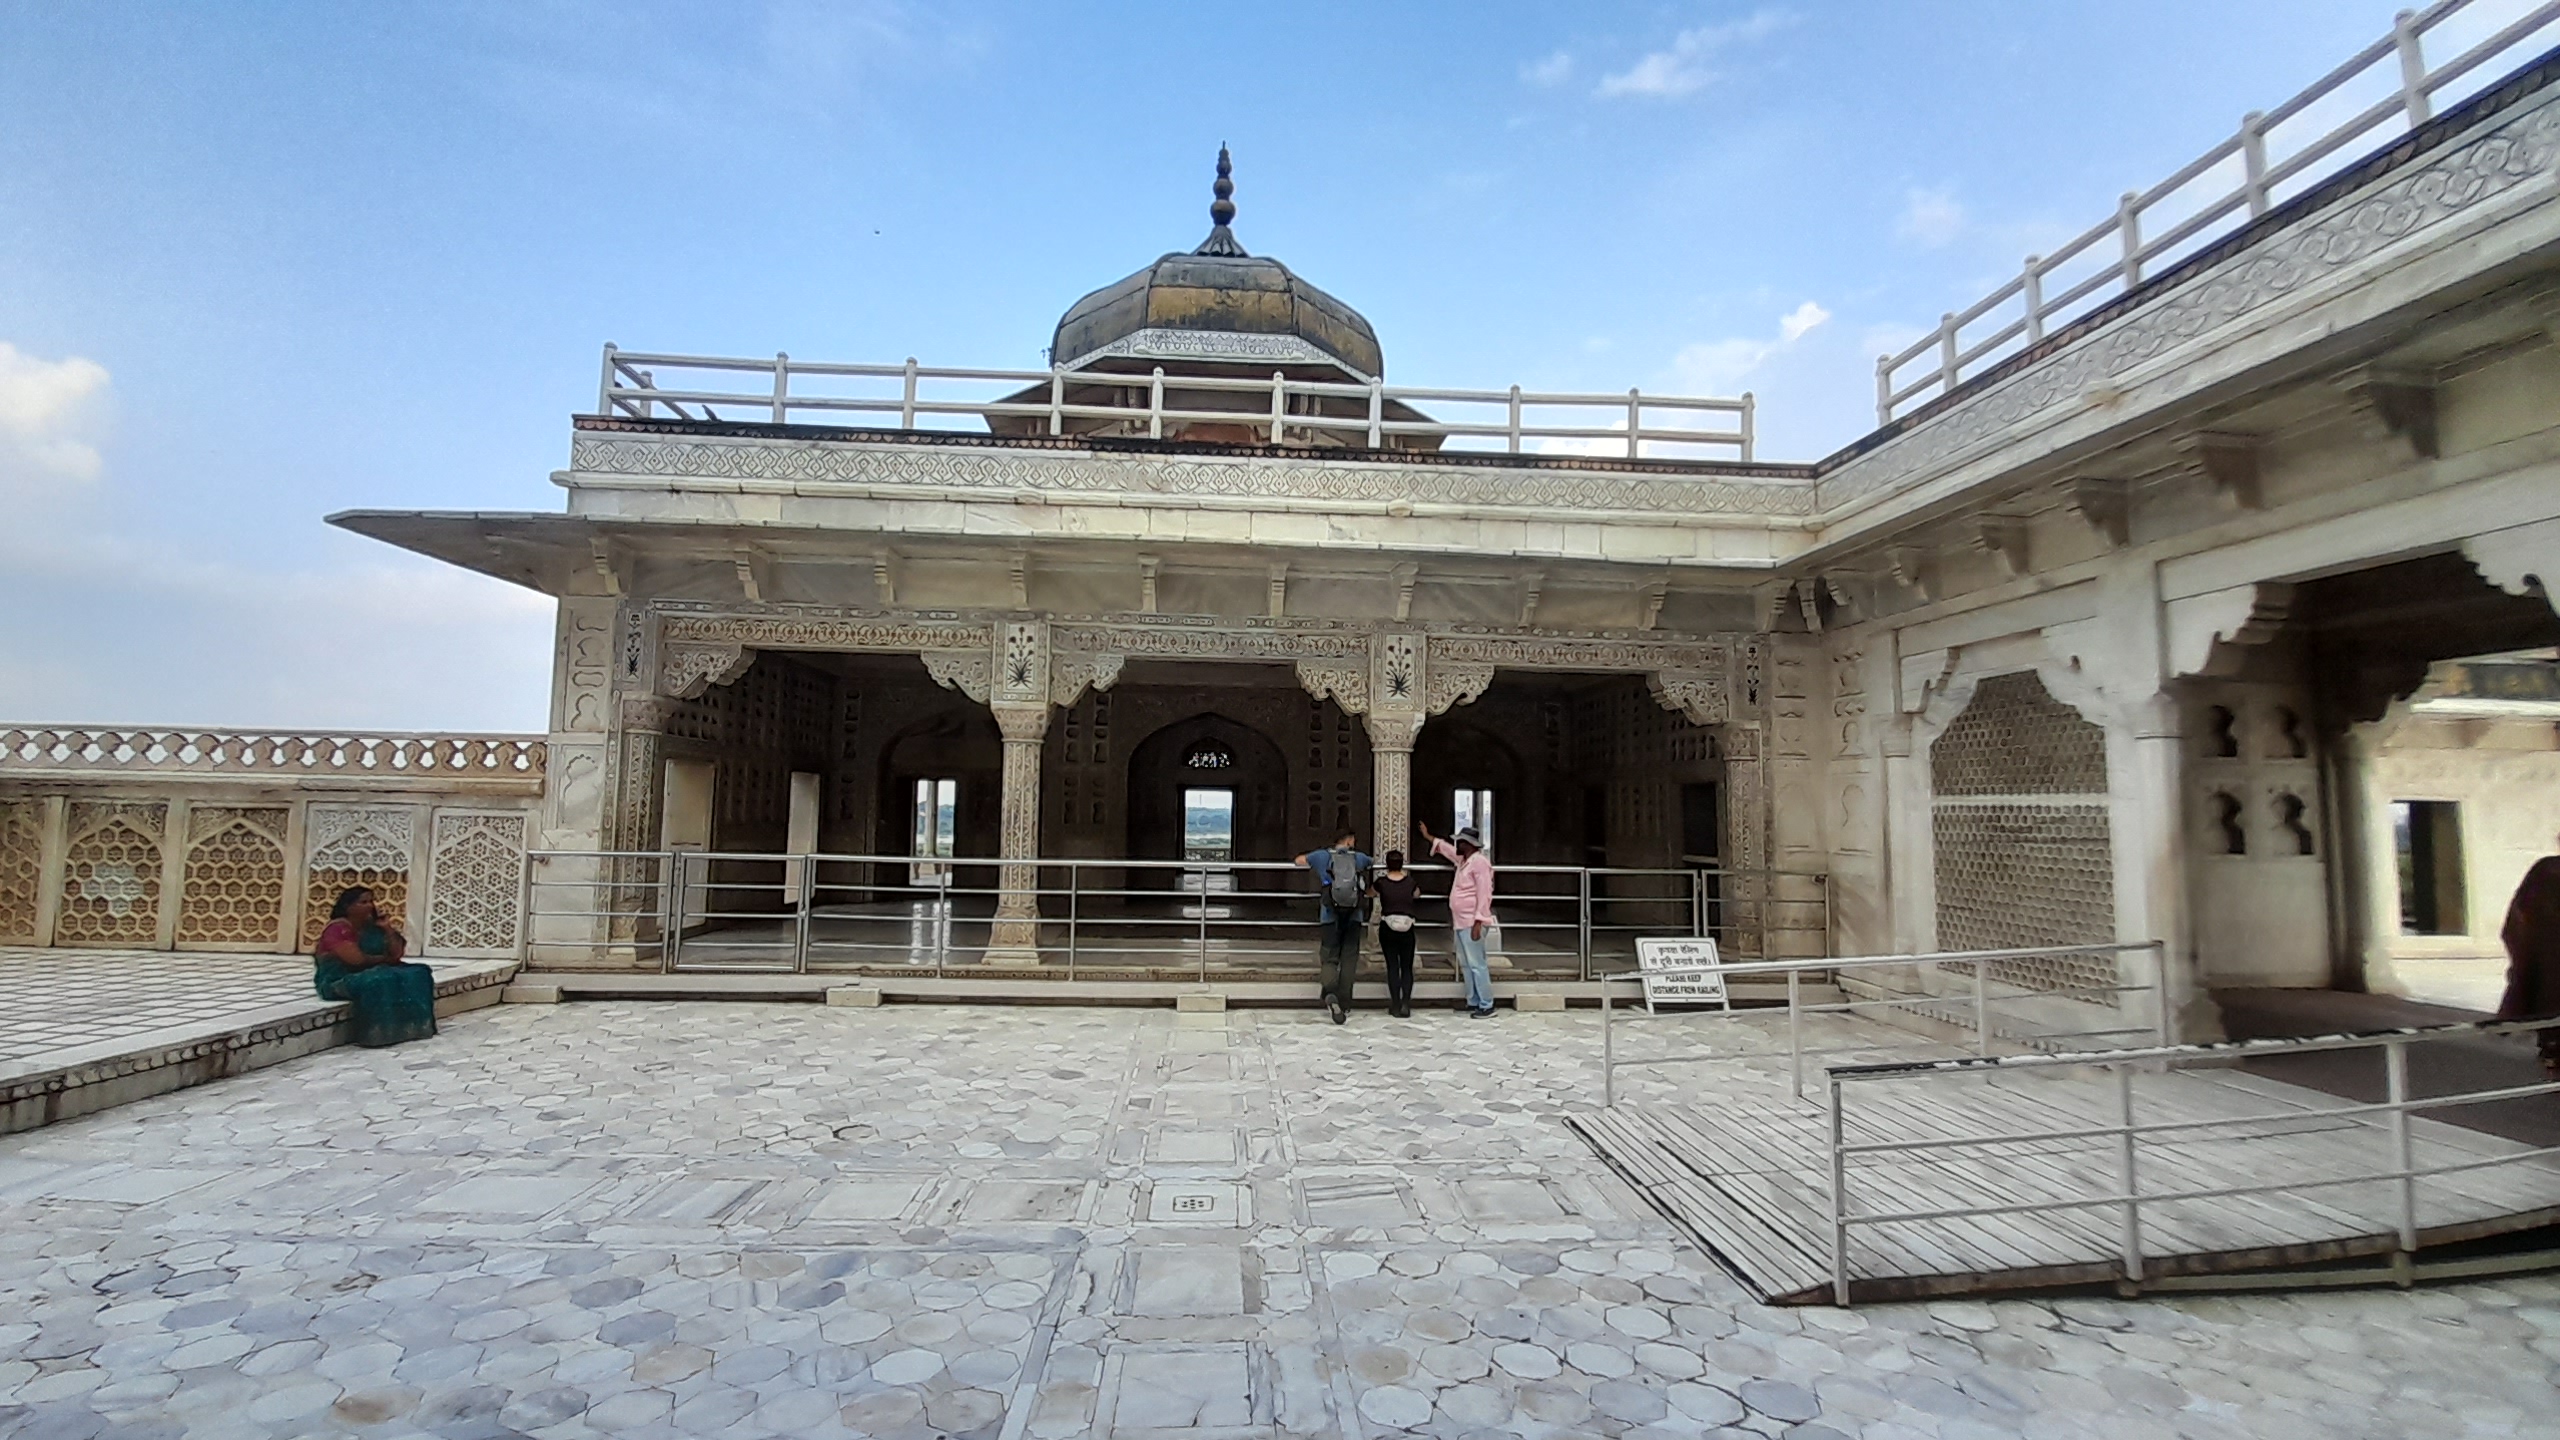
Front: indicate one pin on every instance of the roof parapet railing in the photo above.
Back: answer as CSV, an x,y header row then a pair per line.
x,y
2112,257
810,392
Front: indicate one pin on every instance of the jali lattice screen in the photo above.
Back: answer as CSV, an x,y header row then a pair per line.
x,y
476,870
21,868
2019,815
111,873
358,845
236,879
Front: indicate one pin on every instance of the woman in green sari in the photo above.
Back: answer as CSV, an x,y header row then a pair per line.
x,y
359,960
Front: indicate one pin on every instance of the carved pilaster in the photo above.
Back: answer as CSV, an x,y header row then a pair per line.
x,y
1397,679
1391,740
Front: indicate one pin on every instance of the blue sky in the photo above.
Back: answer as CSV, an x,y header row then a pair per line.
x,y
263,262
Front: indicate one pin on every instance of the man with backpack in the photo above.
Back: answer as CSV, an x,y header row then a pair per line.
x,y
1342,886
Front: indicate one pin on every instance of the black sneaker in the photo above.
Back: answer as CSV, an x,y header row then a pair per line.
x,y
1334,1009
1484,1014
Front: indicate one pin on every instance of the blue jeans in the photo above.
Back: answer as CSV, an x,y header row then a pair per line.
x,y
1471,965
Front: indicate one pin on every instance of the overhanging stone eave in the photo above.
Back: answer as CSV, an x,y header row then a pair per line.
x,y
557,553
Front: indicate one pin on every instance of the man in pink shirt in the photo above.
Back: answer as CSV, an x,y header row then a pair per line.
x,y
1470,910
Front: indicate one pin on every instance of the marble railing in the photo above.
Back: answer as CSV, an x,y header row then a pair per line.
x,y
150,838
89,750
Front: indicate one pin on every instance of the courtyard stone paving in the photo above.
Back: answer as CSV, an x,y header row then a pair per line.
x,y
698,1219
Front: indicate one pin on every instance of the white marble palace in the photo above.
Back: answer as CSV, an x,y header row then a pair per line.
x,y
2142,616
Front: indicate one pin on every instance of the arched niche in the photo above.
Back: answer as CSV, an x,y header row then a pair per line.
x,y
1161,768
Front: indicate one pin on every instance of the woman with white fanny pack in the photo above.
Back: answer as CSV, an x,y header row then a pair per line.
x,y
1397,894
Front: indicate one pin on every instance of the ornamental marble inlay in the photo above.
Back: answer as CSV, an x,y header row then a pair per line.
x,y
1003,474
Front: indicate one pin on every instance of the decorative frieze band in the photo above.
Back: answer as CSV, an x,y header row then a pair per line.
x,y
1584,487
821,632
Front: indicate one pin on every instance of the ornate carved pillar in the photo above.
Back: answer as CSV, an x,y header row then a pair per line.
x,y
1018,693
1016,937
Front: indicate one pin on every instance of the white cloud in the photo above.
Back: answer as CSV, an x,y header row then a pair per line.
x,y
1931,217
1685,68
1550,72
48,411
1719,367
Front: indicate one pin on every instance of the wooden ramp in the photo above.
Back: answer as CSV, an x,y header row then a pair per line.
x,y
1744,1169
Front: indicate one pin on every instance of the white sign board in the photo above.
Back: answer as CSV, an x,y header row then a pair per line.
x,y
1654,956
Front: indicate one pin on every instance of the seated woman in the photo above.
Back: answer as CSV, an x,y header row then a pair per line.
x,y
359,961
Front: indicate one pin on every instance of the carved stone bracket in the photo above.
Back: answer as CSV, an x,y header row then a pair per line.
x,y
971,672
2397,403
2004,539
1914,569
2521,560
1346,682
1074,672
1702,696
686,670
2204,630
2229,462
2105,506
1450,685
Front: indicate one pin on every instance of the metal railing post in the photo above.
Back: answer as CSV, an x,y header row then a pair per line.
x,y
2413,68
671,951
1073,870
2253,161
1839,1202
781,385
907,402
1279,406
941,919
1949,362
2395,1062
1057,400
1635,424
1608,1049
1377,412
805,899
1515,419
1884,390
1982,1007
604,384
2129,229
1155,405
1795,1029
1750,424
1203,892
2132,1180
1582,922
2031,290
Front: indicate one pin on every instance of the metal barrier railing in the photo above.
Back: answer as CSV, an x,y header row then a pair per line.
x,y
2001,1012
1371,412
711,910
2396,1164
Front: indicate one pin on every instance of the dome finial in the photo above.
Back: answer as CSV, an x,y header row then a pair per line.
x,y
1222,211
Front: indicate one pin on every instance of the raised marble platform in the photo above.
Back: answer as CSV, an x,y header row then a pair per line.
x,y
83,1030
